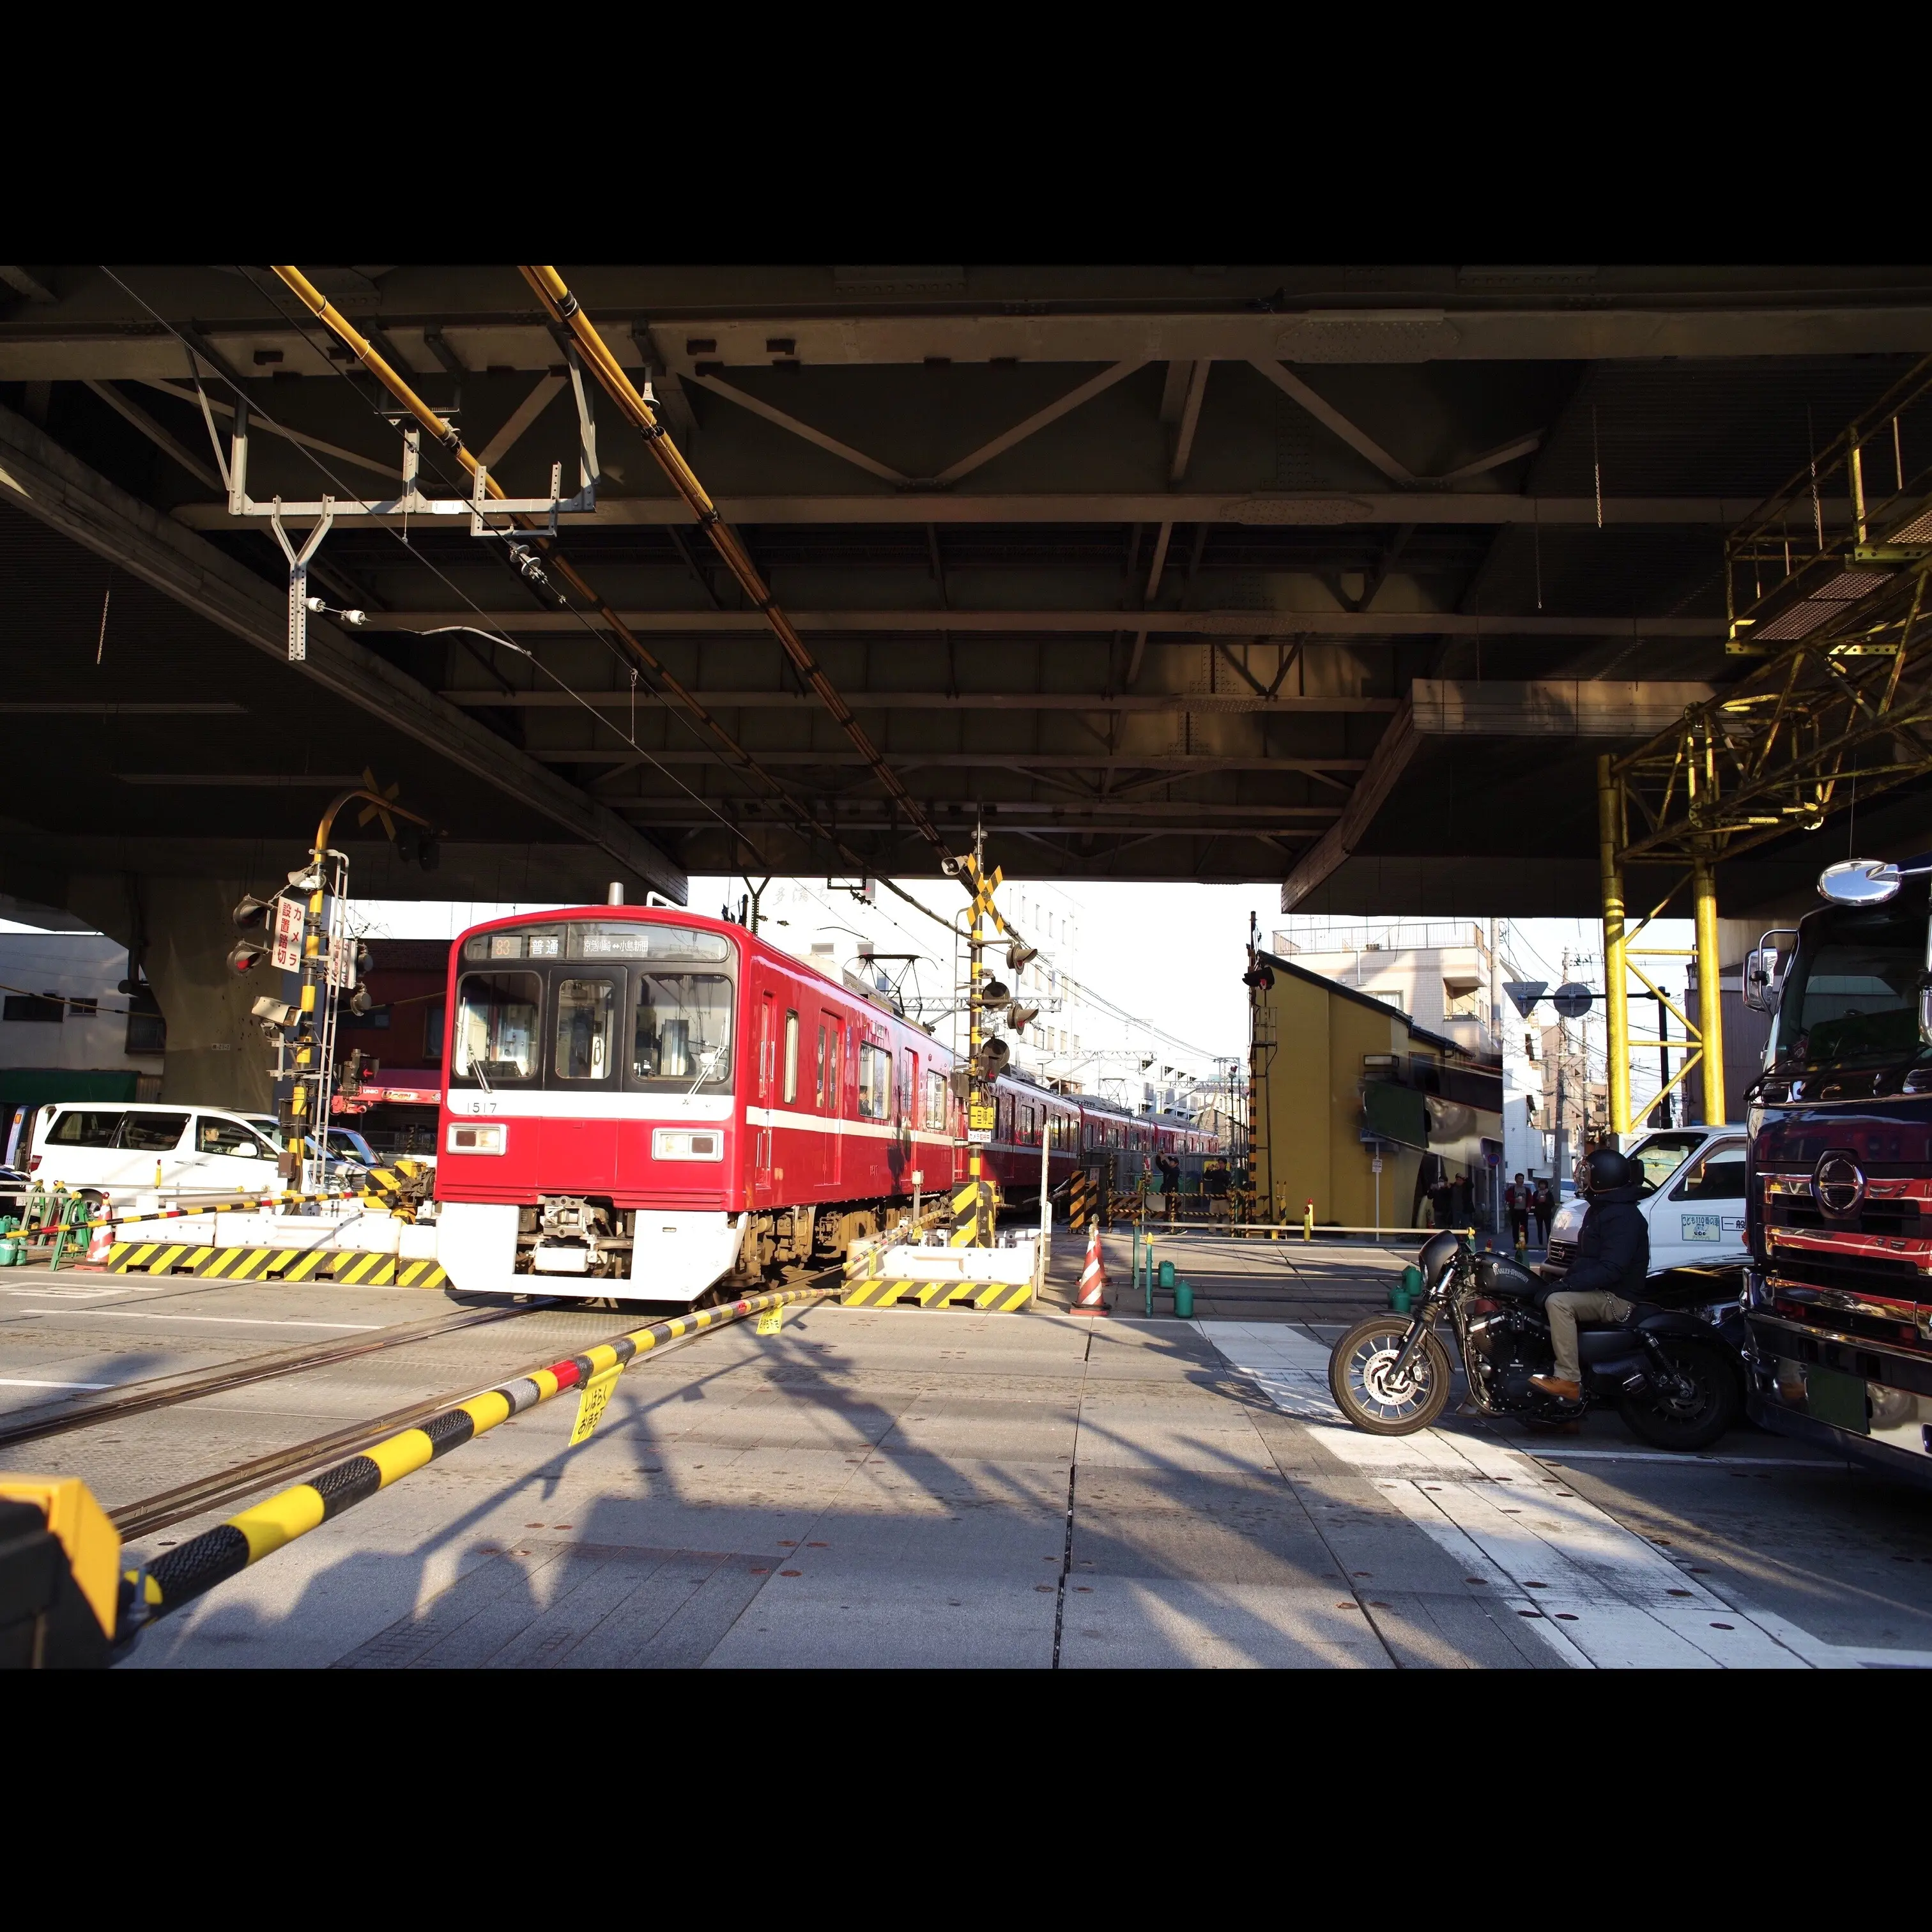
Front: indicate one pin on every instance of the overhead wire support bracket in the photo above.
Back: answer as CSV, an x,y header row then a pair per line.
x,y
299,562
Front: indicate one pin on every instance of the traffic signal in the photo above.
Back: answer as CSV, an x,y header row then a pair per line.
x,y
994,1055
252,916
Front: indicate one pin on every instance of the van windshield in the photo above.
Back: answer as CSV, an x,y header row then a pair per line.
x,y
1662,1154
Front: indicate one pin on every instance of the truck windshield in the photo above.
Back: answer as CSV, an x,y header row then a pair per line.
x,y
1853,999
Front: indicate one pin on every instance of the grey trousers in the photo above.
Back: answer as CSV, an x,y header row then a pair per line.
x,y
1567,1306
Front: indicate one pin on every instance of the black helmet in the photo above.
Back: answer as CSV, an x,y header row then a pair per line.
x,y
1606,1168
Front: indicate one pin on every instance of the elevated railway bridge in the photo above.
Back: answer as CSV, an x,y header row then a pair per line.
x,y
1435,590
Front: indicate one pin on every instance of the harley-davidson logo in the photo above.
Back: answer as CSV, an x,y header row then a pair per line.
x,y
1837,1182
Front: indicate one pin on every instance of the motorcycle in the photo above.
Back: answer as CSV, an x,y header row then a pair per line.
x,y
1674,1375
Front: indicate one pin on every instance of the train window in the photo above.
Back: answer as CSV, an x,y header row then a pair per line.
x,y
828,1064
586,1012
791,1058
875,1081
496,1027
681,1034
934,1118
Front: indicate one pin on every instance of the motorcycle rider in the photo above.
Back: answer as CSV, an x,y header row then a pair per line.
x,y
1612,1259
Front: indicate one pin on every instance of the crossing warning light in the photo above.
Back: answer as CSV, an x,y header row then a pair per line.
x,y
251,916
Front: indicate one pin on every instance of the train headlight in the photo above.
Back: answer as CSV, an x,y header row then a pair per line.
x,y
487,1137
687,1144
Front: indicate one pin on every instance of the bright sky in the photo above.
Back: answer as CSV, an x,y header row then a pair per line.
x,y
1173,954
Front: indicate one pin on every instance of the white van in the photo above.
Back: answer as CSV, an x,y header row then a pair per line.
x,y
118,1149
1695,1205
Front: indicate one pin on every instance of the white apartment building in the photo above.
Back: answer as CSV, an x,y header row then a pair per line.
x,y
1441,972
1448,976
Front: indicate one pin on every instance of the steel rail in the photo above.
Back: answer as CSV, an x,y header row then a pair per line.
x,y
450,437
567,312
393,1447
166,1391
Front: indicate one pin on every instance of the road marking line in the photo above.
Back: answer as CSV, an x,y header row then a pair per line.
x,y
28,1382
1606,1598
1561,1456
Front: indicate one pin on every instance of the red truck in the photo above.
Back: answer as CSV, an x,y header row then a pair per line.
x,y
1839,1207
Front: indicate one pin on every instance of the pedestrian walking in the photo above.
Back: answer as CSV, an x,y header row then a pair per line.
x,y
1543,1206
1170,1181
1517,1199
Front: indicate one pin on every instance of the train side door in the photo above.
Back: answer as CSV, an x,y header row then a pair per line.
x,y
762,1189
831,1138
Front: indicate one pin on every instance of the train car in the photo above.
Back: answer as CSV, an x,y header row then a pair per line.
x,y
656,1103
1025,1116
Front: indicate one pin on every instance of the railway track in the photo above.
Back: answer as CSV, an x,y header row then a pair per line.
x,y
232,1484
166,1391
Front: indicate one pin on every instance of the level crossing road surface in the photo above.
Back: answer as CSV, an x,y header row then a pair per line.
x,y
893,1487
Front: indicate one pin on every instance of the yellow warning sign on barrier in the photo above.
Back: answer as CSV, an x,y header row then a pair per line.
x,y
590,1406
769,1322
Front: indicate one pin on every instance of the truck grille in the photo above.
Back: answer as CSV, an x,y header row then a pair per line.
x,y
1855,1273
1894,1218
1561,1253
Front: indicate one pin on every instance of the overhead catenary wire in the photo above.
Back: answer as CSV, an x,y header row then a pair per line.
x,y
351,496
450,439
564,308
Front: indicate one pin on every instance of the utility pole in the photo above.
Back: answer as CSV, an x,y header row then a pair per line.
x,y
1562,1071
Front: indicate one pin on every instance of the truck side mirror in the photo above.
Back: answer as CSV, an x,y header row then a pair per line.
x,y
1764,972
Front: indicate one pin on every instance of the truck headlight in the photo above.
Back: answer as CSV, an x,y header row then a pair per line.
x,y
687,1144
486,1137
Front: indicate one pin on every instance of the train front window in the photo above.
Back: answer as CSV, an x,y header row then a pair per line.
x,y
586,1019
681,1036
496,1027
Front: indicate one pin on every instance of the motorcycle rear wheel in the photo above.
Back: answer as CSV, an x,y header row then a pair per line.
x,y
1359,1378
1668,1422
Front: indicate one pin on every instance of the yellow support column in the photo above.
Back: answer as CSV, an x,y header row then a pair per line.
x,y
1710,998
1616,995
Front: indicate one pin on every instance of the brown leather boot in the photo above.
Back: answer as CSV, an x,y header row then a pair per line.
x,y
1554,1385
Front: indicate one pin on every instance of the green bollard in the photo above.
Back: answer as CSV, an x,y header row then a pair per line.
x,y
12,1252
1183,1301
1408,1291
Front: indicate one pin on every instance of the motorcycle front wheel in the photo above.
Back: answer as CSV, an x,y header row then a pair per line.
x,y
1362,1377
1689,1420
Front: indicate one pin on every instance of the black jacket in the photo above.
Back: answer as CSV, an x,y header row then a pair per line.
x,y
1613,1248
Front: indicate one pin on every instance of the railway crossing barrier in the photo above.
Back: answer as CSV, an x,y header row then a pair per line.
x,y
197,1565
975,1205
1080,1194
359,1267
994,1281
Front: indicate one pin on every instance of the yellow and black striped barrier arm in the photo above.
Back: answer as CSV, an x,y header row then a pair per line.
x,y
212,1557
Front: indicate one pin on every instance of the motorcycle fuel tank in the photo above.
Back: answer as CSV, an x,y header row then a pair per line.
x,y
1498,1276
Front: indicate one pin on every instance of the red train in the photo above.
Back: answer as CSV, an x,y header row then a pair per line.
x,y
655,1101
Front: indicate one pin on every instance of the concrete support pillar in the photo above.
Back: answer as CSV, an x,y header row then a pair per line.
x,y
1616,992
216,1054
1710,996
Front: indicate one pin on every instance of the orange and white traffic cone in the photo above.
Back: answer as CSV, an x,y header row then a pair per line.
x,y
100,1246
1092,1299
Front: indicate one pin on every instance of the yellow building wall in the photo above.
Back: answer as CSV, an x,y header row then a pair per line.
x,y
1314,1109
